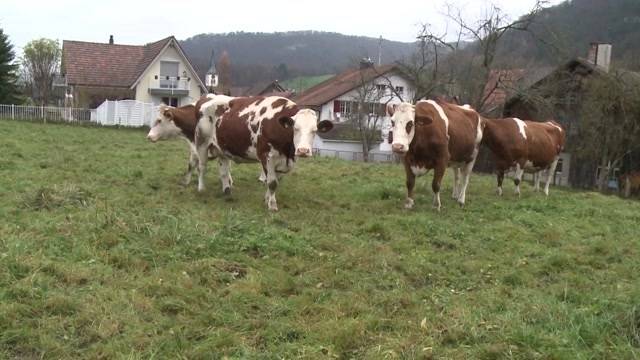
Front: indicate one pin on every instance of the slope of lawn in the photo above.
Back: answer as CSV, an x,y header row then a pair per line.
x,y
104,255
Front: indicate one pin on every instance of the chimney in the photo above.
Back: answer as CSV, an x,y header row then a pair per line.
x,y
366,63
110,39
600,55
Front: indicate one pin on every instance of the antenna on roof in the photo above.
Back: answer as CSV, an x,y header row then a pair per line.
x,y
380,51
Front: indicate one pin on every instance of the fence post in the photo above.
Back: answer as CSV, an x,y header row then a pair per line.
x,y
42,113
13,111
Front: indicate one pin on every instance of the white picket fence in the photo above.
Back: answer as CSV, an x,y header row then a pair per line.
x,y
129,113
45,113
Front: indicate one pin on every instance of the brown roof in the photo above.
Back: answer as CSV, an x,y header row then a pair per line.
x,y
112,65
272,88
340,84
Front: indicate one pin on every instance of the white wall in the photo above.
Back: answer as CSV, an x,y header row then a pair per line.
x,y
170,54
348,149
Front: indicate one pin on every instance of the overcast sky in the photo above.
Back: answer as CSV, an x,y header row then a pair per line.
x,y
140,22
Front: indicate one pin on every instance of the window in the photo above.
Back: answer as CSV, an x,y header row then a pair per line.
x,y
400,89
169,74
171,101
381,87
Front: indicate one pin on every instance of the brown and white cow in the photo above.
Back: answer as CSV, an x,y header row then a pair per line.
x,y
527,146
184,122
435,135
270,130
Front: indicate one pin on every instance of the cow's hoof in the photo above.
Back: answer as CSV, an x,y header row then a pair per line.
x,y
227,191
200,188
461,203
409,204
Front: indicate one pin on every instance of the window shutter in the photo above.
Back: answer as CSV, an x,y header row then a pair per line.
x,y
336,106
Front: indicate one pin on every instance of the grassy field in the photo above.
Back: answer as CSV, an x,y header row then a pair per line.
x,y
104,255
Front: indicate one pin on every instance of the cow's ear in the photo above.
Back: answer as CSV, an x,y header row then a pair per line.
x,y
286,122
391,109
324,126
168,114
422,116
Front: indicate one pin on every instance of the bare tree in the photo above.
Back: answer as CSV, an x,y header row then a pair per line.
x,y
471,67
610,124
40,63
366,110
224,67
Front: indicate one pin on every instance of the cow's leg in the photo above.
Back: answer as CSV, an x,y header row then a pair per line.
x,y
456,183
263,177
500,177
550,173
518,178
438,174
536,180
466,174
411,183
203,152
193,163
225,175
272,183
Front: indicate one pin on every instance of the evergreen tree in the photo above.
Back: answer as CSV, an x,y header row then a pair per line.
x,y
8,72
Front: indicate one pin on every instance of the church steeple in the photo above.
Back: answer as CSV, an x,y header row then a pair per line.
x,y
211,78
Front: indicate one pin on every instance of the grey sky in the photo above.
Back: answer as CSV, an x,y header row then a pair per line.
x,y
140,22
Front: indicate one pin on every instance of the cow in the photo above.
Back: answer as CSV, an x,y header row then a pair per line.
x,y
630,183
184,122
527,146
271,130
435,135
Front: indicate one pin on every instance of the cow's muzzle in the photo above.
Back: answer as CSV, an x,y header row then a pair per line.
x,y
303,152
399,148
151,138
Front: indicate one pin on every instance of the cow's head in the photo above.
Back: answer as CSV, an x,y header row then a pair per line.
x,y
305,125
403,117
164,127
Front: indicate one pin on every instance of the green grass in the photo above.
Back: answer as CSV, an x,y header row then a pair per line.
x,y
302,83
104,255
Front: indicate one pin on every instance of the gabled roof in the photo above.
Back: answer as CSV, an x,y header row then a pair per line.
x,y
340,84
272,88
113,65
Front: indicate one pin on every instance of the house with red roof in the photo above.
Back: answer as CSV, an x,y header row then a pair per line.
x,y
157,72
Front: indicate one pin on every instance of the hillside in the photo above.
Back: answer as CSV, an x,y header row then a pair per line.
x,y
257,56
104,255
567,29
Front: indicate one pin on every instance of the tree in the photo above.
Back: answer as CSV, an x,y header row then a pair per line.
x,y
474,63
8,75
40,63
367,107
224,68
610,121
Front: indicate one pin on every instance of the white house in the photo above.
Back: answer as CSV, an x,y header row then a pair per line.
x,y
157,72
336,98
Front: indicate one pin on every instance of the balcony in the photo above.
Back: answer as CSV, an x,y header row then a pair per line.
x,y
169,85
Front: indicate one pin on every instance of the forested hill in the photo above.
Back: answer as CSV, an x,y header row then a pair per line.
x,y
266,56
560,32
565,31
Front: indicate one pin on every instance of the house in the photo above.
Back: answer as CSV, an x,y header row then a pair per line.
x,y
157,72
559,96
336,98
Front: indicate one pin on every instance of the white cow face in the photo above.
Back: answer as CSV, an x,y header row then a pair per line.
x,y
305,126
403,122
164,127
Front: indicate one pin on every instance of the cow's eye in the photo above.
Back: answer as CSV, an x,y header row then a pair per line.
x,y
393,123
409,126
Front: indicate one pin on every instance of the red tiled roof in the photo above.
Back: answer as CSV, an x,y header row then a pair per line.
x,y
340,84
112,65
499,84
